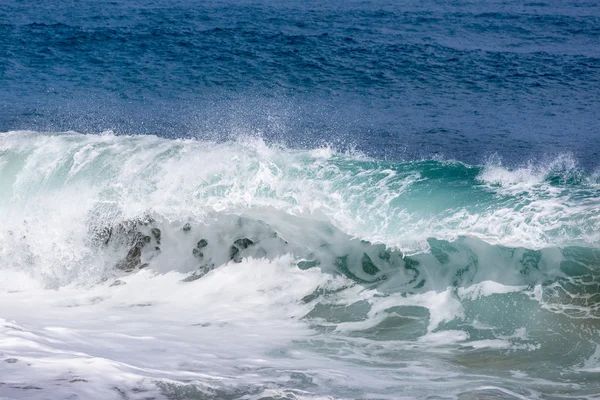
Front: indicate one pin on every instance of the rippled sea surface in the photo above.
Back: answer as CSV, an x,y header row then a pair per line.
x,y
460,80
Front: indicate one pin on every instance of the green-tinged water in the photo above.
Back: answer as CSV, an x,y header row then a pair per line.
x,y
236,270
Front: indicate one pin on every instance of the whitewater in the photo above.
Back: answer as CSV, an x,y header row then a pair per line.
x,y
139,267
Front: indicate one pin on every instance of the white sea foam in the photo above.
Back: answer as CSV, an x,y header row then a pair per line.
x,y
74,326
368,200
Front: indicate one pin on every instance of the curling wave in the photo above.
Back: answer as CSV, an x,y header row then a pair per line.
x,y
429,258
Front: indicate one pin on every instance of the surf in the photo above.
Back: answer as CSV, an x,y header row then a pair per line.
x,y
253,263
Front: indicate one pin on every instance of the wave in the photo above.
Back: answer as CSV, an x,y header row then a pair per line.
x,y
399,204
55,186
90,207
321,252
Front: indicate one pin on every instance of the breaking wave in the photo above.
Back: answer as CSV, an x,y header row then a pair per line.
x,y
432,258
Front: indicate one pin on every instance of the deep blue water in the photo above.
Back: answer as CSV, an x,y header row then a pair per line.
x,y
462,80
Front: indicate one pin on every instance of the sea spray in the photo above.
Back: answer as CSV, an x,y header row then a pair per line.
x,y
190,269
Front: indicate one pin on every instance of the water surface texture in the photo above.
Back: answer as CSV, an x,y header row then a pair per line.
x,y
299,200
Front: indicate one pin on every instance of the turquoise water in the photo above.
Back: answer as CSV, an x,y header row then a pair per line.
x,y
292,276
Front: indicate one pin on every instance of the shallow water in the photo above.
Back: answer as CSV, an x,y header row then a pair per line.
x,y
304,274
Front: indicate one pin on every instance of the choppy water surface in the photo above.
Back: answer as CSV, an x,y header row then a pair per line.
x,y
461,80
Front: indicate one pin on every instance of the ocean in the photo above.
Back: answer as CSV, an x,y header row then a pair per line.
x,y
299,200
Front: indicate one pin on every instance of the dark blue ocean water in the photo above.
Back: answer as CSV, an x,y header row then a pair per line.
x,y
462,80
